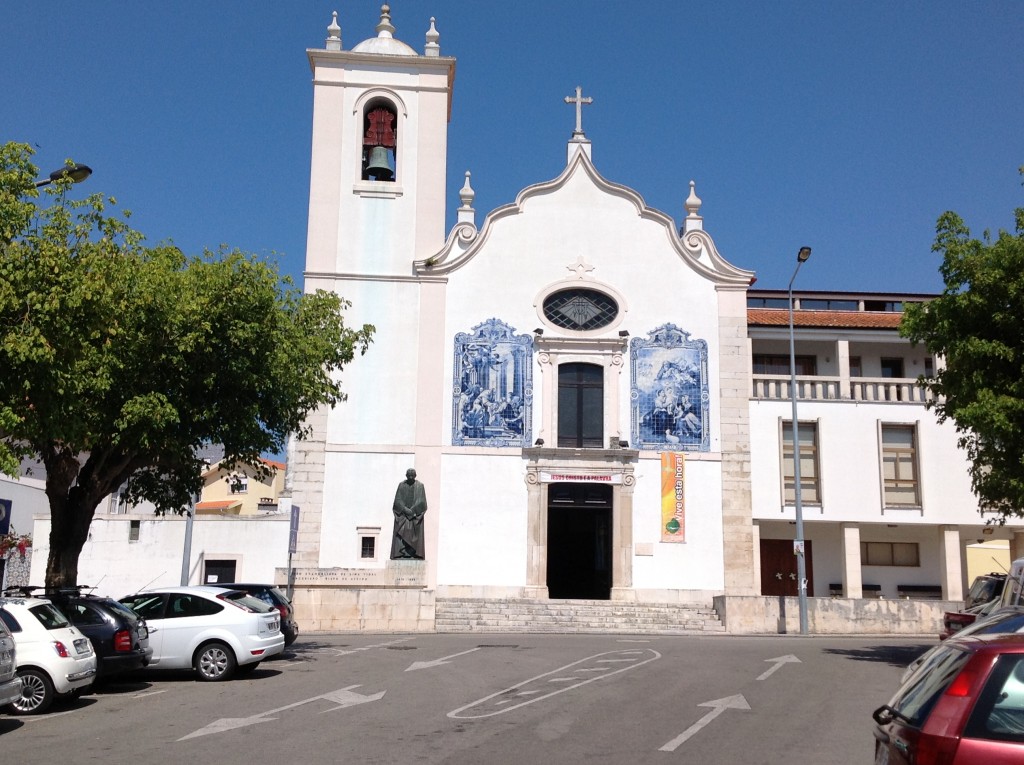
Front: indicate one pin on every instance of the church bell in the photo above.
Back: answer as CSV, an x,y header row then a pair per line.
x,y
377,165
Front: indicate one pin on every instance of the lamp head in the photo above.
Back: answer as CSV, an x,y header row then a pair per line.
x,y
803,255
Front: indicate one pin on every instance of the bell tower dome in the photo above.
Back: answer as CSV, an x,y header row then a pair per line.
x,y
379,149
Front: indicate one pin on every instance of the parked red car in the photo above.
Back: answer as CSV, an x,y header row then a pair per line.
x,y
963,706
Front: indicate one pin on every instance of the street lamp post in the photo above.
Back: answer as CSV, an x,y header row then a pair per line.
x,y
798,545
77,174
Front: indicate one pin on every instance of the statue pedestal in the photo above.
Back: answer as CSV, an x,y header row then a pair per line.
x,y
389,599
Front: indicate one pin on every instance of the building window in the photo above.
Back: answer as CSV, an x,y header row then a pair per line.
x,y
777,364
380,142
892,368
368,537
580,406
368,548
890,554
809,487
580,309
133,530
238,484
899,466
856,369
821,304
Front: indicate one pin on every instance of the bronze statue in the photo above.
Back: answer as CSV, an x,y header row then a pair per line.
x,y
409,507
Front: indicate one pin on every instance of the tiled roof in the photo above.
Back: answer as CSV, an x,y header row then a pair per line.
x,y
779,317
218,504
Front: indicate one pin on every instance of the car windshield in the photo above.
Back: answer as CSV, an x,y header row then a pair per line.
x,y
121,610
244,600
915,699
146,606
49,617
1012,621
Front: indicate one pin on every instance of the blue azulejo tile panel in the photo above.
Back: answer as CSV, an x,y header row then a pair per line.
x,y
493,387
669,395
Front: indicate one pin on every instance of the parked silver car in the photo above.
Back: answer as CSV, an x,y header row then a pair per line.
x,y
216,631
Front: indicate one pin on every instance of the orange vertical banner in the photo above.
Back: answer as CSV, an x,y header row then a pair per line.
x,y
673,505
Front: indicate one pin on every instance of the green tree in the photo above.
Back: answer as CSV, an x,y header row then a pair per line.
x,y
977,326
120,360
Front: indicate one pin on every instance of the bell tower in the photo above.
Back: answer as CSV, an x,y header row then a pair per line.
x,y
377,179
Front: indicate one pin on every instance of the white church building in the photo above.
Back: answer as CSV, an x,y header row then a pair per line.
x,y
596,401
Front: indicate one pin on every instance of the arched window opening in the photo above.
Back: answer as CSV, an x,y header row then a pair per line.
x,y
380,142
580,406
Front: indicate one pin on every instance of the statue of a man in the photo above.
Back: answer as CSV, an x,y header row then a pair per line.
x,y
409,508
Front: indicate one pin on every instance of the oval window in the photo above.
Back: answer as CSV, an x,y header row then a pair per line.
x,y
580,309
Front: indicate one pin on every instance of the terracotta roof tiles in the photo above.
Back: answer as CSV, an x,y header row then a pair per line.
x,y
779,317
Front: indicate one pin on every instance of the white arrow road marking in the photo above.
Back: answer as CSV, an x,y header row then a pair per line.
x,y
344,652
779,661
718,706
487,705
343,698
438,662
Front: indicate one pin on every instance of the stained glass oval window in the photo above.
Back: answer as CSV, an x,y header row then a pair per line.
x,y
580,309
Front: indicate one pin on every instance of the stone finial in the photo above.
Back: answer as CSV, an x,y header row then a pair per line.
x,y
334,33
432,48
466,213
467,194
385,28
693,203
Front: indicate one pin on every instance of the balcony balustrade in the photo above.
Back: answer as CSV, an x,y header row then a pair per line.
x,y
818,388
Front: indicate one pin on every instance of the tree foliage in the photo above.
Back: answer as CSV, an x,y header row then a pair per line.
x,y
977,326
120,359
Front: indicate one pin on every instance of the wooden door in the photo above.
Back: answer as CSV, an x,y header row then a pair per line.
x,y
778,568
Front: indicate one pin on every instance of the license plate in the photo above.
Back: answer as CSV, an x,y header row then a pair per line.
x,y
143,631
6,659
82,645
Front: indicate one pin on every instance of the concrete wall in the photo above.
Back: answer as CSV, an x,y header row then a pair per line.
x,y
832,616
116,565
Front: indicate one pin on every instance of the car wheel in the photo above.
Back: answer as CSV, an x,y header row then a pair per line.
x,y
214,661
247,669
36,693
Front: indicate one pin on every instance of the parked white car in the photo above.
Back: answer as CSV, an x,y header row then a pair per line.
x,y
10,683
53,657
216,631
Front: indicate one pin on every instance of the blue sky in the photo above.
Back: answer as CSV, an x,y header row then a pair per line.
x,y
846,126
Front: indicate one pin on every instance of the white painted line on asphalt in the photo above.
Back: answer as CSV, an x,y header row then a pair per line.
x,y
488,704
342,697
149,693
342,652
779,661
614,661
563,680
718,706
438,662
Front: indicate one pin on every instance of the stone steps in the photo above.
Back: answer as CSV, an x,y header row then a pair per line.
x,y
575,616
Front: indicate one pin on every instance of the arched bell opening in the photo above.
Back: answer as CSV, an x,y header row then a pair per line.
x,y
380,141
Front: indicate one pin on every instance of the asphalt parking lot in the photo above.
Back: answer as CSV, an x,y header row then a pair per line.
x,y
471,699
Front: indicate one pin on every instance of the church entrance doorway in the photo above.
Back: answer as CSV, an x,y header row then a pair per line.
x,y
579,541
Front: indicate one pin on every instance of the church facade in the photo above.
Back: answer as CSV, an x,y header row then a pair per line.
x,y
595,401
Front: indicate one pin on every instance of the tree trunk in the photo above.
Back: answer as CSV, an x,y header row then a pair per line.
x,y
69,530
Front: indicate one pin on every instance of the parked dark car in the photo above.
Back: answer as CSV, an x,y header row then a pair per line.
x,y
982,599
963,706
119,636
272,596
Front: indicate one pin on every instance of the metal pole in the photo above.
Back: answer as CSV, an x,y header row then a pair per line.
x,y
798,545
186,555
